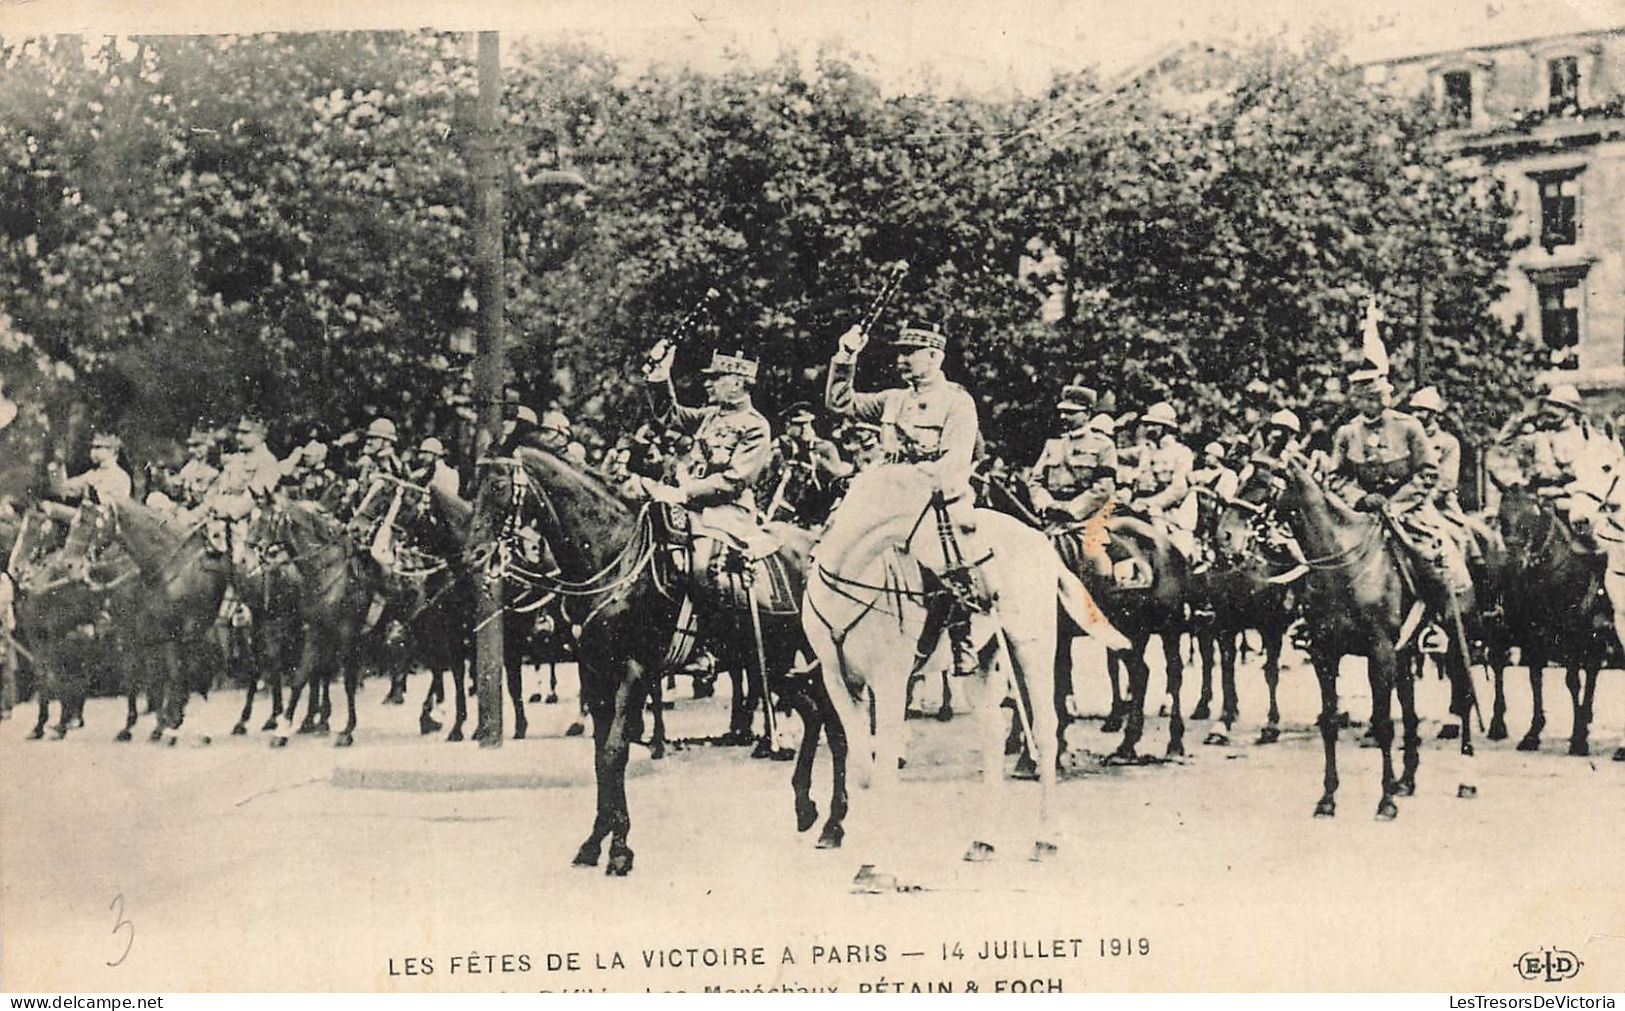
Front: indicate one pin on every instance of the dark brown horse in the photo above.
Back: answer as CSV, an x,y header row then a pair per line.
x,y
1356,599
180,584
1553,611
1246,587
624,615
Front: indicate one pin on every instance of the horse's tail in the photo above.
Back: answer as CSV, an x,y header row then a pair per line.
x,y
1080,607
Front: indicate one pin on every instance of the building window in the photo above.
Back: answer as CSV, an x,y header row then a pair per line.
x,y
1458,98
1560,321
1559,210
1563,76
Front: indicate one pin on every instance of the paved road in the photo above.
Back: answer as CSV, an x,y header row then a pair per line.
x,y
245,868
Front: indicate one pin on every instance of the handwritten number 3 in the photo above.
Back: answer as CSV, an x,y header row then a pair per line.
x,y
118,904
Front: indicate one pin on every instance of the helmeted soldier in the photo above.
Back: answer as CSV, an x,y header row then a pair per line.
x,y
1282,432
1162,481
1213,472
106,481
930,424
1076,474
553,433
1569,457
432,470
732,443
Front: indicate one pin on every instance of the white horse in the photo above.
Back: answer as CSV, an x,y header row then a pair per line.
x,y
865,608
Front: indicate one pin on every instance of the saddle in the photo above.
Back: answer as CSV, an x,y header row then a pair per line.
x,y
719,564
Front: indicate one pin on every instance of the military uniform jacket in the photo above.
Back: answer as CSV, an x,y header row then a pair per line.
x,y
111,484
1222,481
733,444
1073,464
1164,480
933,425
256,471
1447,454
193,480
1389,456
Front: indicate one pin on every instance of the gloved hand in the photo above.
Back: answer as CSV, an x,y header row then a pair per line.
x,y
851,343
657,363
1372,503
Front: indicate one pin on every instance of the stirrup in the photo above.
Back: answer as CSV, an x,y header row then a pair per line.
x,y
969,588
1433,640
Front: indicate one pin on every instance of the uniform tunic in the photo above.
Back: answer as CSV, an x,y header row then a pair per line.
x,y
193,480
1076,473
1389,457
732,445
110,483
931,424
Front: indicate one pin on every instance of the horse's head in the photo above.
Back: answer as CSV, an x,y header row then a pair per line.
x,y
582,521
885,506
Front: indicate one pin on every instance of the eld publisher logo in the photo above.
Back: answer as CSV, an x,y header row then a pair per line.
x,y
1549,965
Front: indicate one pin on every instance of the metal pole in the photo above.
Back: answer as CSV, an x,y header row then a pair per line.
x,y
491,366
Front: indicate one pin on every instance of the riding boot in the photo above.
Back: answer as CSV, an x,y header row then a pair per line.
x,y
965,660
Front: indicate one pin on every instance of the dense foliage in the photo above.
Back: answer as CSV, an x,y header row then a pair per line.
x,y
282,224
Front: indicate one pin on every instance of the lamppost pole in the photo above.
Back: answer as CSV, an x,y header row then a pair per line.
x,y
491,364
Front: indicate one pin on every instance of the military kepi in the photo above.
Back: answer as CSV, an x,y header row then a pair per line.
x,y
922,337
731,365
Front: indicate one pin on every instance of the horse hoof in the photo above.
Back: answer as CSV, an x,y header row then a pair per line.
x,y
455,736
763,749
1387,810
428,725
1529,744
1026,769
657,751
279,742
519,731
552,699
944,714
156,735
620,864
1405,788
1229,718
306,728
59,733
1176,749
831,838
1579,747
1327,808
1201,712
1216,738
575,730
36,733
1466,750
1112,725
204,741
1498,730
703,691
1124,755
535,697
343,740
979,852
1449,732
783,755
269,725
806,815
239,730
122,736
1043,851
586,856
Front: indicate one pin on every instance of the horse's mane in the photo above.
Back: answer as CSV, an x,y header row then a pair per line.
x,y
458,511
533,459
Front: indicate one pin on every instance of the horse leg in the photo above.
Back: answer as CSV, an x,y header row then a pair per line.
x,y
1382,669
308,655
516,693
945,711
132,686
1406,688
1063,691
1578,743
800,697
834,830
630,692
1326,675
459,675
1114,718
1536,662
657,707
1139,679
603,716
1176,680
1273,641
180,689
44,711
241,727
1227,672
553,682
436,695
1498,712
1206,639
352,680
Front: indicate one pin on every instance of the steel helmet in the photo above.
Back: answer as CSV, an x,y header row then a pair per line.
x,y
1161,413
1565,395
1286,419
382,428
556,421
525,414
432,447
1427,399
